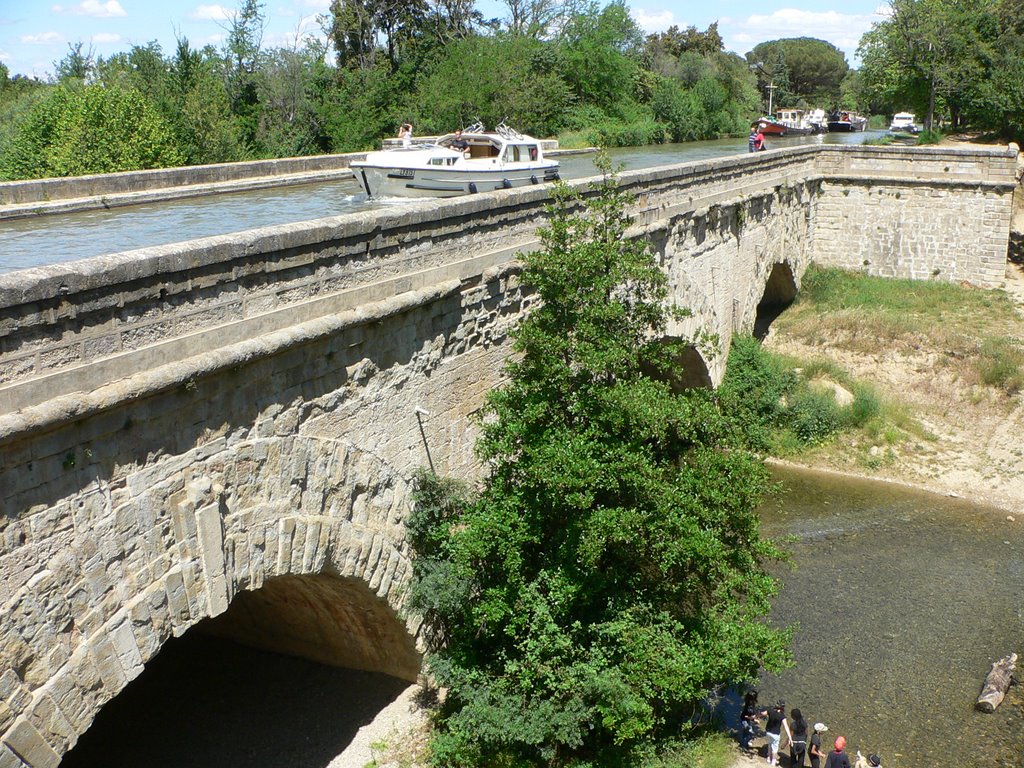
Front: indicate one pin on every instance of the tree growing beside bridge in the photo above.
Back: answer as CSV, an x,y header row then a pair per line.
x,y
609,573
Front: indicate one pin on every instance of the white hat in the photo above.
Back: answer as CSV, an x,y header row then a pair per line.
x,y
820,727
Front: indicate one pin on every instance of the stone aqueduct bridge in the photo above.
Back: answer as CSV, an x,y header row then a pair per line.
x,y
221,433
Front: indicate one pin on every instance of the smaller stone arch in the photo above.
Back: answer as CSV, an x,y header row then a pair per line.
x,y
690,370
780,289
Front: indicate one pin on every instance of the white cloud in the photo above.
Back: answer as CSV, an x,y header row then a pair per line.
x,y
652,21
211,13
106,37
95,8
5,56
843,30
44,38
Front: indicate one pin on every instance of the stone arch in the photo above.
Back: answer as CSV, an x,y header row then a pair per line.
x,y
691,370
780,288
225,535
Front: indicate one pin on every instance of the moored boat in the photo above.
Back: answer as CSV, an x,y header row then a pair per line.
x,y
794,121
498,159
903,122
818,120
846,122
770,127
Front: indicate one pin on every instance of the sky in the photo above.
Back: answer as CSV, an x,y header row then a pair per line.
x,y
34,35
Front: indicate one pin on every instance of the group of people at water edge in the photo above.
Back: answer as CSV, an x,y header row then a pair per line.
x,y
803,741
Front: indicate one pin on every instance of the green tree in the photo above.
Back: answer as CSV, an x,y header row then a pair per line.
x,y
493,78
77,130
601,49
934,55
610,572
806,71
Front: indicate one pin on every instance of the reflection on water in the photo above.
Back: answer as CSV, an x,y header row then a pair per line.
x,y
66,237
903,600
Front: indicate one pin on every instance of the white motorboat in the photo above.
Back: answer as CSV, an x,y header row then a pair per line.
x,y
818,120
903,122
498,159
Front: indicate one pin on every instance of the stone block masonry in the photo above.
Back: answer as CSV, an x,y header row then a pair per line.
x,y
221,435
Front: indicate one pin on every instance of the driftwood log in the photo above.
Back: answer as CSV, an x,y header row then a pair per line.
x,y
996,683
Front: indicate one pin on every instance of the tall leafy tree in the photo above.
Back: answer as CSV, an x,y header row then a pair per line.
x,y
935,55
610,572
245,38
602,49
806,70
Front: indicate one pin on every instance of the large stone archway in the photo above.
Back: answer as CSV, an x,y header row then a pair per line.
x,y
324,584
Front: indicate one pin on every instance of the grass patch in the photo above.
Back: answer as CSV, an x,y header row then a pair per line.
x,y
931,136
711,750
788,407
880,141
976,330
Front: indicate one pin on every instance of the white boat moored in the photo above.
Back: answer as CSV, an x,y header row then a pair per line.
x,y
903,122
498,159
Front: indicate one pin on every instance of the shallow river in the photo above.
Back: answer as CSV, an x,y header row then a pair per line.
x,y
59,238
904,600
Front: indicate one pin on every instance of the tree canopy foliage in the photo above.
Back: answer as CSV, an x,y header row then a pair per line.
x,y
609,573
805,72
961,59
576,68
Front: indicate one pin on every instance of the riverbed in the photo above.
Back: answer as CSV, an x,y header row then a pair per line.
x,y
903,599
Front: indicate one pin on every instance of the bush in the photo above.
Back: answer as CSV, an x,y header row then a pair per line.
x,y
814,416
77,130
865,407
929,136
1001,364
756,386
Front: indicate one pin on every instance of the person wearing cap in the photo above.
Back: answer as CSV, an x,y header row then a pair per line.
x,y
871,761
837,758
814,750
774,728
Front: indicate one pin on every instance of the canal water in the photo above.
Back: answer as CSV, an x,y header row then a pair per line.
x,y
37,241
903,600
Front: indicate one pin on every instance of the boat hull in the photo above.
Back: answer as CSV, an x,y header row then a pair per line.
x,y
846,126
379,181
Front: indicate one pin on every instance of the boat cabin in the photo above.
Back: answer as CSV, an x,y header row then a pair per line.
x,y
484,146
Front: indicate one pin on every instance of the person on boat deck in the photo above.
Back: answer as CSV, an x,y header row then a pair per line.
x,y
755,142
405,134
459,144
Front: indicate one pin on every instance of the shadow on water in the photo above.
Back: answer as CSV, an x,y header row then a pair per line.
x,y
208,703
903,600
